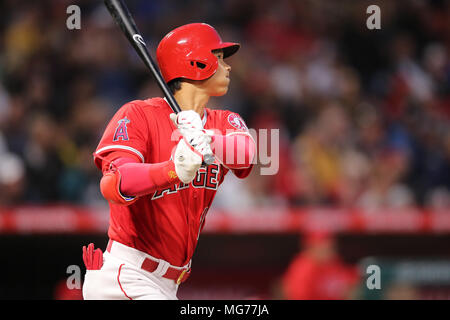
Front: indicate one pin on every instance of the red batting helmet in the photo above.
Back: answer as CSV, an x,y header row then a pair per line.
x,y
186,52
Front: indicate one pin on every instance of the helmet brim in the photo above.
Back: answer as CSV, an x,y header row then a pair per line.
x,y
229,48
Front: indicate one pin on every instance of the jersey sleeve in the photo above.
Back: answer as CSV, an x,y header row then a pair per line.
x,y
232,123
126,133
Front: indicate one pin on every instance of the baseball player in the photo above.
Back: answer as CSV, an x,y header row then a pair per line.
x,y
157,188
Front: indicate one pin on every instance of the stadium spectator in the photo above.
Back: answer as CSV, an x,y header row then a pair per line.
x,y
340,99
317,272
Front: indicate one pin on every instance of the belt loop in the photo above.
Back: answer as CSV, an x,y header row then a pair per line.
x,y
108,248
162,268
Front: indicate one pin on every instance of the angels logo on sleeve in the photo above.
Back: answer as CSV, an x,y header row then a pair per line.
x,y
237,122
121,130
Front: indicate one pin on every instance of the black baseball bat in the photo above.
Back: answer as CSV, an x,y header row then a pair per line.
x,y
123,18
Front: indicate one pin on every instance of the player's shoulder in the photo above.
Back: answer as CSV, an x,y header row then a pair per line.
x,y
143,108
220,113
227,118
145,104
157,102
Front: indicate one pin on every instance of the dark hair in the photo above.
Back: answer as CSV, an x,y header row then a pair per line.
x,y
175,85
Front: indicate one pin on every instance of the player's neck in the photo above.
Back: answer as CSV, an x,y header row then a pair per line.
x,y
190,97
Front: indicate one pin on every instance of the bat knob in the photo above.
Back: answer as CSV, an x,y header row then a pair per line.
x,y
208,159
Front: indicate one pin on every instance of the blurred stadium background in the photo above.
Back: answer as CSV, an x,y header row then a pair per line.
x,y
364,119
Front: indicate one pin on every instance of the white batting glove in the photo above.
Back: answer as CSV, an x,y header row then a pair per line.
x,y
188,119
187,161
191,127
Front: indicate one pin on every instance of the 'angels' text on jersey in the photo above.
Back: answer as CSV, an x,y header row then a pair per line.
x,y
207,177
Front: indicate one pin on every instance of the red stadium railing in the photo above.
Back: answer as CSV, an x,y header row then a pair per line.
x,y
72,219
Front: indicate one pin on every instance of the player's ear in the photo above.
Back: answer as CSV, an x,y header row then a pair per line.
x,y
218,53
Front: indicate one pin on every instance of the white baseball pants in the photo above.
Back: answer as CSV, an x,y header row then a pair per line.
x,y
120,278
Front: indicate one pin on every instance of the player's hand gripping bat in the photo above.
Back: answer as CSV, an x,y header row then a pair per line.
x,y
123,18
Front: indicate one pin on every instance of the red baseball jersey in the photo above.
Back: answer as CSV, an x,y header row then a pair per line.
x,y
167,223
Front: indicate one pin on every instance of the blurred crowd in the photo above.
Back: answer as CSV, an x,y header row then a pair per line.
x,y
363,115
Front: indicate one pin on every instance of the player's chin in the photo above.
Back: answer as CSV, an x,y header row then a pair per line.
x,y
221,90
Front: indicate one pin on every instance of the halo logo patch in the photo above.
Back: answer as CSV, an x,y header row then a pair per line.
x,y
237,122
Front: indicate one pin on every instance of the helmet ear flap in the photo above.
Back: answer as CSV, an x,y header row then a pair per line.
x,y
198,64
204,68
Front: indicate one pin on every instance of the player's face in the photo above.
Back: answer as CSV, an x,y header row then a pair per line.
x,y
217,84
